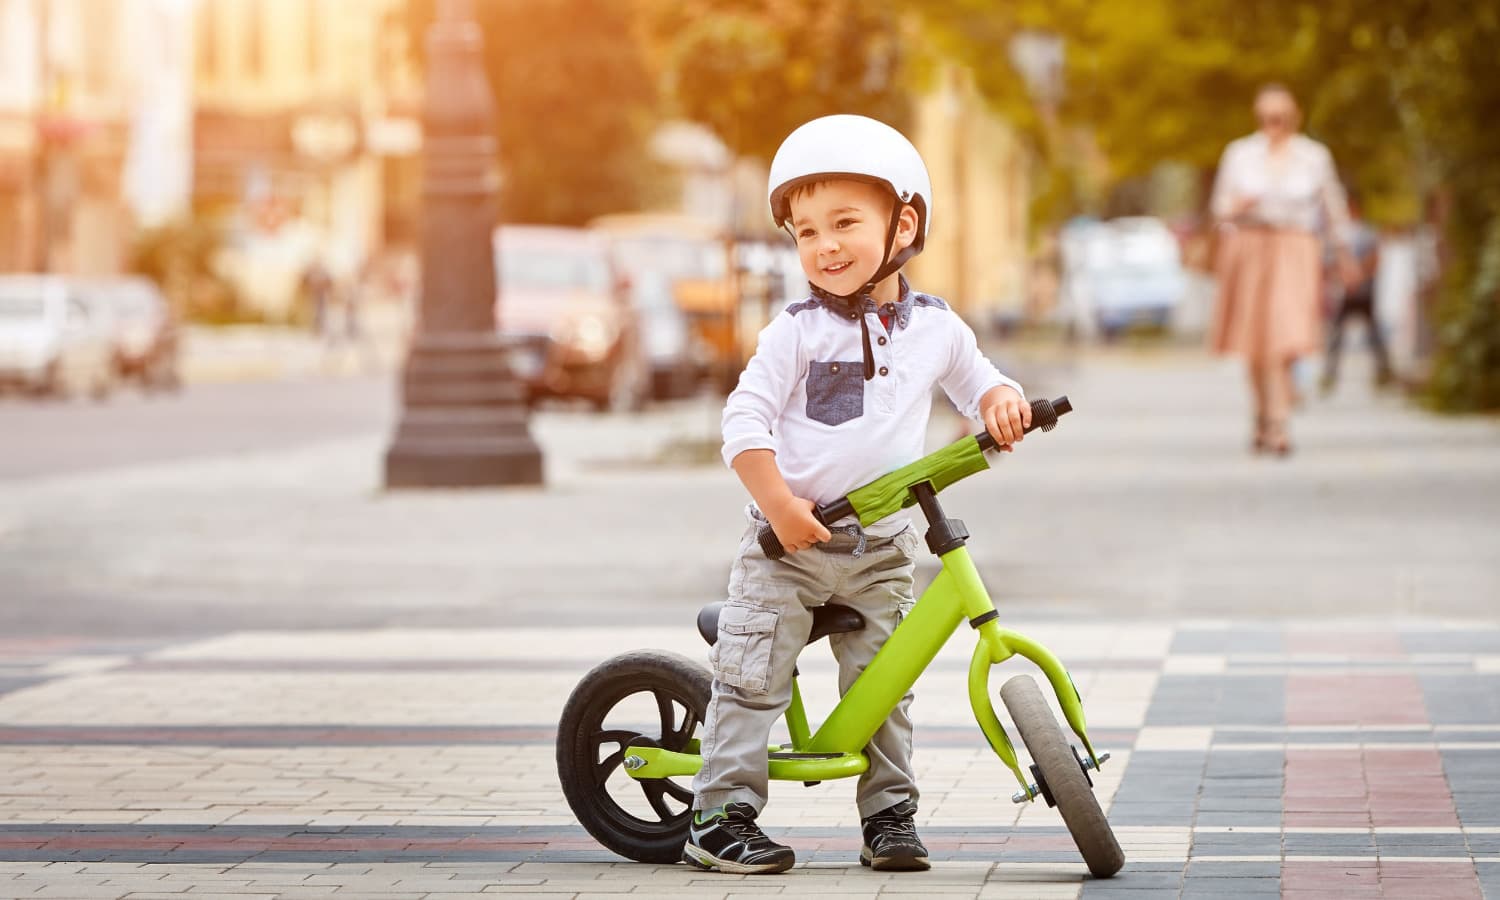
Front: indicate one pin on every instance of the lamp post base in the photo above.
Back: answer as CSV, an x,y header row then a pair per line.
x,y
463,421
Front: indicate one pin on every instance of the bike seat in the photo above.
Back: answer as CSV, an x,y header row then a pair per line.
x,y
830,618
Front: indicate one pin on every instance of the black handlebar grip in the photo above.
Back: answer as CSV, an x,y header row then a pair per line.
x,y
1044,414
770,544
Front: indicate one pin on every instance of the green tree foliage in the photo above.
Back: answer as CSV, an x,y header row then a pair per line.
x,y
752,70
575,104
1406,93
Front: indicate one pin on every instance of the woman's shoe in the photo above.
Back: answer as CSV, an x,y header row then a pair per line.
x,y
1258,442
1275,441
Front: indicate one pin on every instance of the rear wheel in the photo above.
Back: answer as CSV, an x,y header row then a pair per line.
x,y
650,699
1061,776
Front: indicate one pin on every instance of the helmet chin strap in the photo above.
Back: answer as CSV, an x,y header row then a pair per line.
x,y
889,265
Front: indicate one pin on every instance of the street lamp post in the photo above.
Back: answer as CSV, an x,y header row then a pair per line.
x,y
463,418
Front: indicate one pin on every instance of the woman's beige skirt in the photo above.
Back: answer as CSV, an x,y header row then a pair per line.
x,y
1270,288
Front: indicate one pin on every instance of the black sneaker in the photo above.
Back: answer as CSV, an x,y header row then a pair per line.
x,y
728,840
891,842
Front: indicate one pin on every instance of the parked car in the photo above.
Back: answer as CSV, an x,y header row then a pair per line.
x,y
563,300
698,258
1119,273
142,329
49,341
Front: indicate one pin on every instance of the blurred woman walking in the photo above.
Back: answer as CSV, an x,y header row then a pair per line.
x,y
1275,191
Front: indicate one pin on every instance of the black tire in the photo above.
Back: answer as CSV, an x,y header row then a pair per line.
x,y
645,820
1064,776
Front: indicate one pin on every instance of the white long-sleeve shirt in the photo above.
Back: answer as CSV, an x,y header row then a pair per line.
x,y
1298,188
804,396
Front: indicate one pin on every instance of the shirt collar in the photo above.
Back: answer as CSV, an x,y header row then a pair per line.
x,y
846,308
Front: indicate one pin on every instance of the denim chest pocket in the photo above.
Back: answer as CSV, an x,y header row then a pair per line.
x,y
835,391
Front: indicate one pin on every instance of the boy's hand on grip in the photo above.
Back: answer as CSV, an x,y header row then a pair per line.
x,y
1006,415
795,525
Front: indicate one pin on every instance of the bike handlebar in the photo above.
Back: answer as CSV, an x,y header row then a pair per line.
x,y
1044,415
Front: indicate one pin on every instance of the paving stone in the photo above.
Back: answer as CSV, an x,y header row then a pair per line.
x,y
1236,844
1216,869
1202,888
1325,844
458,818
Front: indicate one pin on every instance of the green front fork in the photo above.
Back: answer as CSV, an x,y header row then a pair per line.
x,y
996,645
834,750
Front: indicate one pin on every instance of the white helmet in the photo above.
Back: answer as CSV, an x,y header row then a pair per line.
x,y
855,147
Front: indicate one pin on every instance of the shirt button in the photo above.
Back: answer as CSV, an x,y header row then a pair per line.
x,y
834,368
882,342
884,370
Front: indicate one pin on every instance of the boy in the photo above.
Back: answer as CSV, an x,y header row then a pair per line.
x,y
838,393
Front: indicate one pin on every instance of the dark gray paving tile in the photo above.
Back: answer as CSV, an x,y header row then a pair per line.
x,y
1198,868
1240,804
1323,844
1421,845
1236,844
1467,641
1136,881
1243,788
1195,888
1474,778
1467,699
1238,817
1241,764
1162,815
1489,878
1218,700
11,683
1152,865
1236,640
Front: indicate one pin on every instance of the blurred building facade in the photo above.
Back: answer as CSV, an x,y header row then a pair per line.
x,y
295,120
306,129
976,254
67,87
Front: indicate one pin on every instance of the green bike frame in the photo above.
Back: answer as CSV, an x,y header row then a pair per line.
x,y
957,594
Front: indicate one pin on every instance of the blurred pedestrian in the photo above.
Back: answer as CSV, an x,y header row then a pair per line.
x,y
1274,191
318,287
1357,301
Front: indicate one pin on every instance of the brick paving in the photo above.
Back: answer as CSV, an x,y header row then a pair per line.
x,y
311,687
1250,759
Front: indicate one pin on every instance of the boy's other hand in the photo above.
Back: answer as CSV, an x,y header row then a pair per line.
x,y
795,525
1006,415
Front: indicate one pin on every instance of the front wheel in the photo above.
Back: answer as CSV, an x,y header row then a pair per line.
x,y
1061,775
650,699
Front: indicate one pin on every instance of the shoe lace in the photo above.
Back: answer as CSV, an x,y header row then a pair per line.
x,y
895,825
743,826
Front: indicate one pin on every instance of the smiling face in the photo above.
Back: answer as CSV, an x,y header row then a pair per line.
x,y
840,227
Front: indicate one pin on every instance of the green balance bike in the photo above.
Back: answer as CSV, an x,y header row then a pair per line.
x,y
626,744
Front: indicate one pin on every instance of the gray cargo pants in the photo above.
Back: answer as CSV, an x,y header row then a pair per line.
x,y
765,625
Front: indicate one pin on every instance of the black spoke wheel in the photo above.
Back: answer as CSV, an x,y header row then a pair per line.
x,y
1061,772
647,698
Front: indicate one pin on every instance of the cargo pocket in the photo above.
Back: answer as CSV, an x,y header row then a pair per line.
x,y
742,655
835,391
